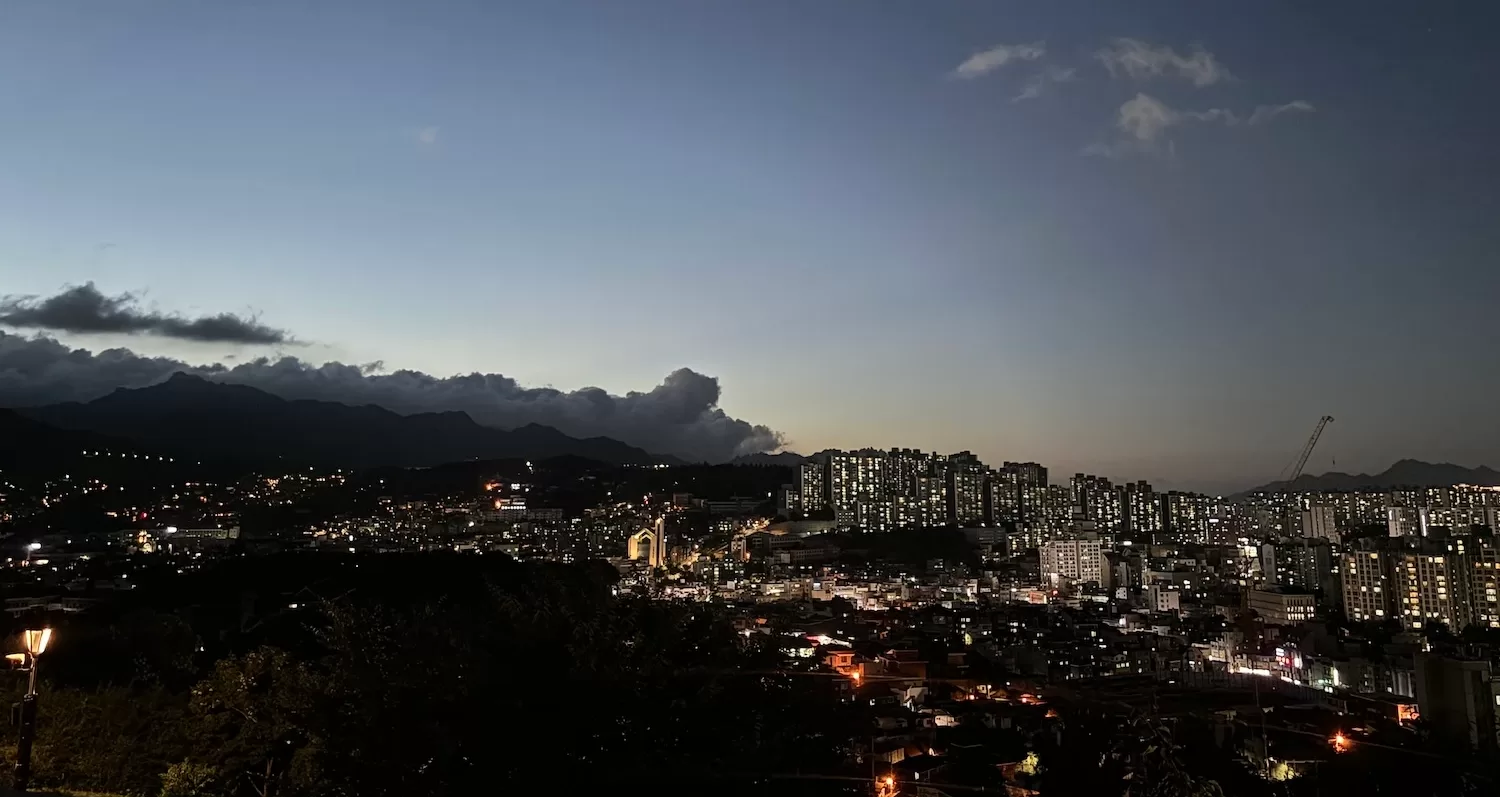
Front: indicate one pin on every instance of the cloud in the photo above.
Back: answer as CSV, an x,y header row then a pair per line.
x,y
680,416
427,135
1265,113
85,309
982,63
1143,119
1037,84
1138,60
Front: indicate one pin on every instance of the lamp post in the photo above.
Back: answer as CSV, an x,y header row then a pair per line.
x,y
36,644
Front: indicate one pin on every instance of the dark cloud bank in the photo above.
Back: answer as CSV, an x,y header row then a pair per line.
x,y
680,416
85,309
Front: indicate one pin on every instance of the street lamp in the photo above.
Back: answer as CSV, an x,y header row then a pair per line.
x,y
36,642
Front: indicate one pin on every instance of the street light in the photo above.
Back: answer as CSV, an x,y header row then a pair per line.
x,y
36,641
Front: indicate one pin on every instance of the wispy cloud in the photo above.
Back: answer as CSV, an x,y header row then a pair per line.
x,y
1138,60
1143,120
85,309
427,135
1144,117
987,61
1038,84
1265,113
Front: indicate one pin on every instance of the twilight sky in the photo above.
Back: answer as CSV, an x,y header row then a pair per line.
x,y
1149,239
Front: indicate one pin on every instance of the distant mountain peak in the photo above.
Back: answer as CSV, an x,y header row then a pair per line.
x,y
1402,473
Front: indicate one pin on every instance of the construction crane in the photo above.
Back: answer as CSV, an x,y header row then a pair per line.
x,y
1307,450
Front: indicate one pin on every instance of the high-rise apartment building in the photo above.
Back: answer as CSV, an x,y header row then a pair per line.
x,y
1003,498
1142,509
1078,557
1098,502
1027,473
1185,517
1483,557
1455,582
1299,563
1431,588
812,486
966,489
856,489
1319,522
1407,521
1367,589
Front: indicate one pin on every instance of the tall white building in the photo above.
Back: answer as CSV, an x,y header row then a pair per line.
x,y
1318,522
1077,558
1407,521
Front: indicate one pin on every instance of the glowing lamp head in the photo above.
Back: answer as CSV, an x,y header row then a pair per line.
x,y
37,640
36,546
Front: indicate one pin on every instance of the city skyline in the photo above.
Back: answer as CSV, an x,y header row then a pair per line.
x,y
1130,242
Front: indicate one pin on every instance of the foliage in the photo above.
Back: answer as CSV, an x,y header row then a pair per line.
x,y
1101,753
187,779
112,739
256,719
426,676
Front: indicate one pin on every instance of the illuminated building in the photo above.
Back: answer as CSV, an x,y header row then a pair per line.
x,y
1185,517
965,497
1431,587
1077,558
1410,522
649,544
1097,501
812,487
1319,522
856,485
1299,563
1484,579
1281,608
1141,509
1367,592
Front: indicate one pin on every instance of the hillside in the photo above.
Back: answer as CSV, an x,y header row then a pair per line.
x,y
1406,473
190,416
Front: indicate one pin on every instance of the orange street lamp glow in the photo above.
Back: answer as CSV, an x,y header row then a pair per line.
x,y
36,641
